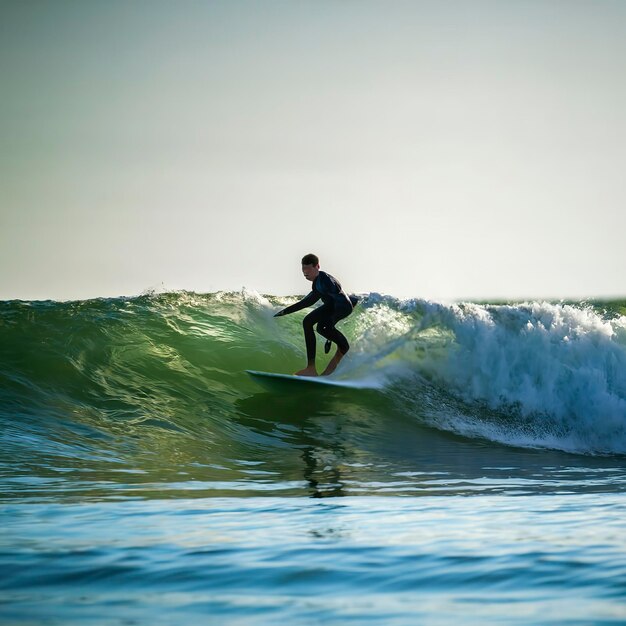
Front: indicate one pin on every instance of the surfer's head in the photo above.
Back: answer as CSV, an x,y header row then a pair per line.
x,y
310,266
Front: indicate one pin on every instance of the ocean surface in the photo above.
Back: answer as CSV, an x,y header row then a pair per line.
x,y
474,473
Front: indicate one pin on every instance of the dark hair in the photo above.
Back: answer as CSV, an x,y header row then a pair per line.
x,y
310,259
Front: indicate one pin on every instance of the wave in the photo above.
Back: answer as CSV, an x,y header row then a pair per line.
x,y
538,374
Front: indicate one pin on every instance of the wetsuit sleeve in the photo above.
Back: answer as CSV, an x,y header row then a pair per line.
x,y
309,300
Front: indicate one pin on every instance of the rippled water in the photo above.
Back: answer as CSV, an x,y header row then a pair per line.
x,y
431,559
146,479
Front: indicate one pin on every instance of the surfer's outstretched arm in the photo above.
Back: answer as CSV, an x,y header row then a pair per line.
x,y
308,300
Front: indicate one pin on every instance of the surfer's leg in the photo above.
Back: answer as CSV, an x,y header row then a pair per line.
x,y
332,334
327,329
309,339
332,364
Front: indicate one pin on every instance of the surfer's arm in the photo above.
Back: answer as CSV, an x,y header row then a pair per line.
x,y
309,300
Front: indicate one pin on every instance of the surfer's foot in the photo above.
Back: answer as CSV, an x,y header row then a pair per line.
x,y
330,368
307,371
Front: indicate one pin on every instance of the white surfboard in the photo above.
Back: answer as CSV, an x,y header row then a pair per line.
x,y
274,380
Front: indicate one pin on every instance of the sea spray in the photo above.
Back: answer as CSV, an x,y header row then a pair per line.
x,y
526,374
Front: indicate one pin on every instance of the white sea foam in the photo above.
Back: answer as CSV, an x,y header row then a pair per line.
x,y
559,370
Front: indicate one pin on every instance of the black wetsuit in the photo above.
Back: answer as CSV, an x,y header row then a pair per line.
x,y
336,305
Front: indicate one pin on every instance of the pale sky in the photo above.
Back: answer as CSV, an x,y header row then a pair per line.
x,y
437,149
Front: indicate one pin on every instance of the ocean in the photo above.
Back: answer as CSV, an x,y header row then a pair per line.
x,y
475,472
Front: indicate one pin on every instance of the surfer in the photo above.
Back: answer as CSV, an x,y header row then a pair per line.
x,y
336,306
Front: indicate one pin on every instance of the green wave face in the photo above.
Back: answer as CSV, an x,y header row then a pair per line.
x,y
153,389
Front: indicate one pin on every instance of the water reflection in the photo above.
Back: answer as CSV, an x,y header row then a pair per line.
x,y
317,445
363,445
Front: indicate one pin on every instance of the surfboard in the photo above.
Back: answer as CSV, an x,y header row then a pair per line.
x,y
274,380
